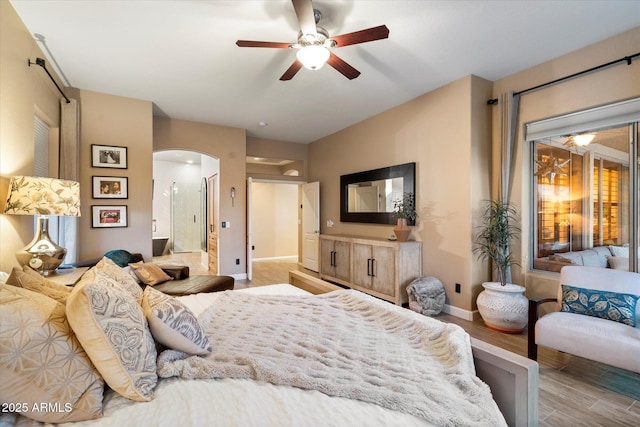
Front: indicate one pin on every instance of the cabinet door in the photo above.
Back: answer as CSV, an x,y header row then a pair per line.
x,y
361,265
326,255
342,261
384,270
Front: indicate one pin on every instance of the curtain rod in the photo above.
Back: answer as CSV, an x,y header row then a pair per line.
x,y
40,62
627,59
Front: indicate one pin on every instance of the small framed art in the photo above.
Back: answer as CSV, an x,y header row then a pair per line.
x,y
108,156
110,187
108,216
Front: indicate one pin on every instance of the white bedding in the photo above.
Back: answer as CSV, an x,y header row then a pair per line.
x,y
237,402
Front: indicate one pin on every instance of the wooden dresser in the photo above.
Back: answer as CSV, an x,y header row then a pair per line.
x,y
379,267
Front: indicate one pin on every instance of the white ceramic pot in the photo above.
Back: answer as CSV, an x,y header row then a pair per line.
x,y
503,308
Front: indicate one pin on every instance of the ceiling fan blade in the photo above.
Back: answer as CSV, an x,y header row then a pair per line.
x,y
291,71
251,43
362,36
306,18
345,69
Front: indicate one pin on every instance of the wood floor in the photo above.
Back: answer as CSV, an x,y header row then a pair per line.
x,y
573,391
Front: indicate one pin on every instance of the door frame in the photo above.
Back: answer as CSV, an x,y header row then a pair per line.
x,y
249,217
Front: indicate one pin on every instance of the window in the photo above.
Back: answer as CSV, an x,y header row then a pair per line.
x,y
584,193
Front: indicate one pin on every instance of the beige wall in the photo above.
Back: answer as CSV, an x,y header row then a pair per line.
x,y
126,122
602,87
446,132
25,92
259,147
229,145
274,219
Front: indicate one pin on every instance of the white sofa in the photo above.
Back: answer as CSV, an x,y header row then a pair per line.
x,y
594,338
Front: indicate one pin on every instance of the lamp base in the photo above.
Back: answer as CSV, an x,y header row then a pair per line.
x,y
42,254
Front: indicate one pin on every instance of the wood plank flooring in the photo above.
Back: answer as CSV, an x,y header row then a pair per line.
x,y
573,391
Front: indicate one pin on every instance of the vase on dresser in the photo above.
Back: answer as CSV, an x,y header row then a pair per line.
x,y
402,230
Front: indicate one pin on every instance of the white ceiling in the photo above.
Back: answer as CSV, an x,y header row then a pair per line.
x,y
182,54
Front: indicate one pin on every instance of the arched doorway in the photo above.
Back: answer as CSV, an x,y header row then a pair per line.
x,y
180,202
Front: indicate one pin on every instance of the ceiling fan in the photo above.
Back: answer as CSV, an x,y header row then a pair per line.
x,y
314,44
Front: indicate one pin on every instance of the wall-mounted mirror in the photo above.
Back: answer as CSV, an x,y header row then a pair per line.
x,y
369,196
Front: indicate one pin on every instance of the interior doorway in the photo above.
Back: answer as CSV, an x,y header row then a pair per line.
x,y
272,221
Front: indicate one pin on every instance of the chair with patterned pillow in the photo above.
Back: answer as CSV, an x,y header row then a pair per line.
x,y
597,317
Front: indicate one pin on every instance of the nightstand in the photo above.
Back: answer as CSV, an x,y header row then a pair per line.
x,y
67,276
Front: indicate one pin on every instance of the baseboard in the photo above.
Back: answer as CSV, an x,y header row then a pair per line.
x,y
459,312
293,258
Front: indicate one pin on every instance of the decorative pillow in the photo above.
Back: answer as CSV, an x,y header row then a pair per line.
x,y
120,257
42,362
112,329
149,273
619,263
622,251
173,324
132,273
33,281
108,269
606,305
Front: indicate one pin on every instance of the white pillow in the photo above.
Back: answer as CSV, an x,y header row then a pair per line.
x,y
173,324
112,329
42,361
622,251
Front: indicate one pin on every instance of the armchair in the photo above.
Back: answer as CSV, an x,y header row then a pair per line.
x,y
602,339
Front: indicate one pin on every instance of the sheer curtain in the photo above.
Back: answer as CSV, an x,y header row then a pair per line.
x,y
509,107
69,169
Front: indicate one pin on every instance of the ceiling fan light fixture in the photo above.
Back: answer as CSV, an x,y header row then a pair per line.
x,y
583,139
313,57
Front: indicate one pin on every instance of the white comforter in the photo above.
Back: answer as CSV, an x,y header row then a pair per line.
x,y
240,403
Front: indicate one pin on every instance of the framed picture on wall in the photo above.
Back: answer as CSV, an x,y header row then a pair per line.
x,y
108,216
110,187
108,156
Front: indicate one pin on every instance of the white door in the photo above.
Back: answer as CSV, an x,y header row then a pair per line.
x,y
249,231
310,225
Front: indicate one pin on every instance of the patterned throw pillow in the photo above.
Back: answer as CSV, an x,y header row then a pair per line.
x,y
149,273
42,362
112,329
606,305
33,281
109,270
173,324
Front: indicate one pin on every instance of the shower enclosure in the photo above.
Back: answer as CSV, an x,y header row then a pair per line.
x,y
187,216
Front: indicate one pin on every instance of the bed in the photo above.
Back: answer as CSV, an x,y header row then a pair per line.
x,y
185,395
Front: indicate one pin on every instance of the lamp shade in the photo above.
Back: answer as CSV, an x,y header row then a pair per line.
x,y
32,195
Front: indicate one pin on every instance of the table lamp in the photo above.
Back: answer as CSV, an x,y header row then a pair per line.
x,y
31,195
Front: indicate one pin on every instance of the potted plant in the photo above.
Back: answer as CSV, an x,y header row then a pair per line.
x,y
502,305
405,211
